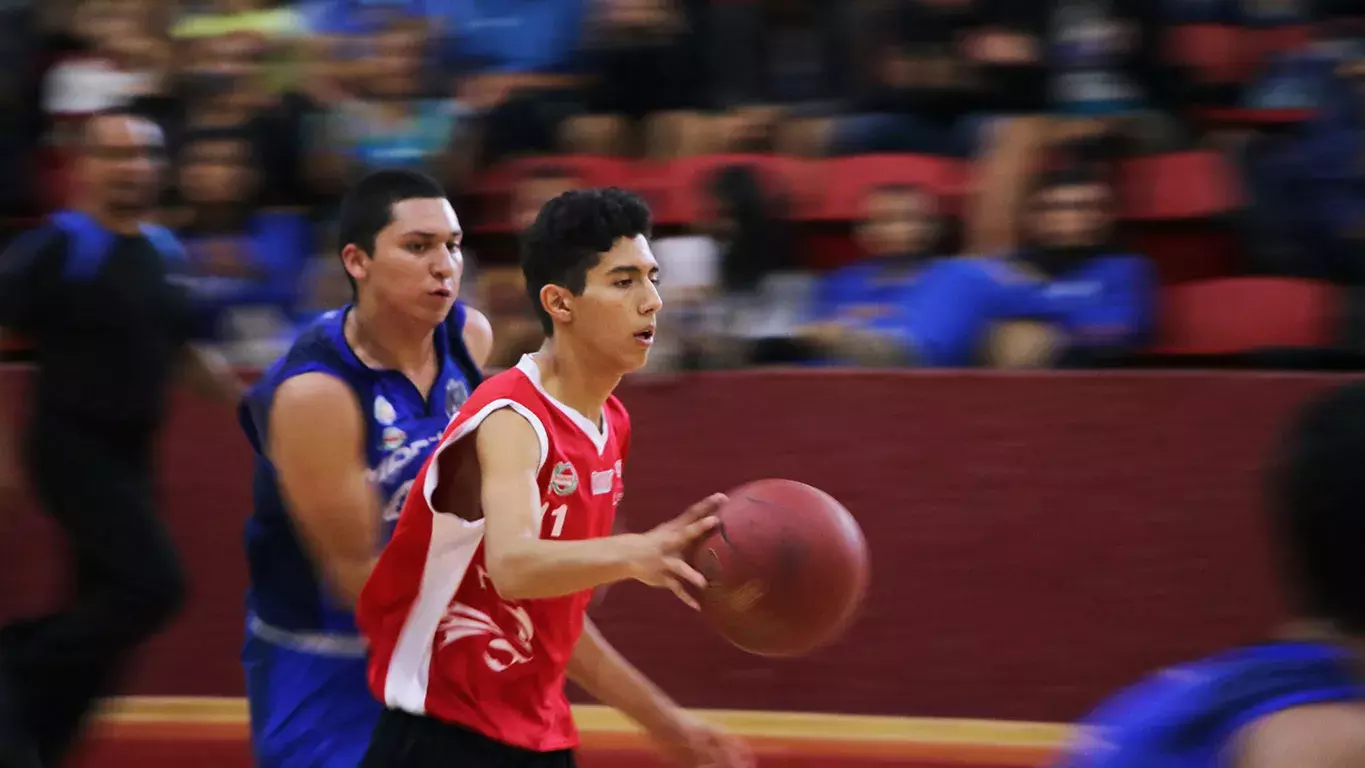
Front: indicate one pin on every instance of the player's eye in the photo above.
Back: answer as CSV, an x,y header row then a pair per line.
x,y
624,282
417,247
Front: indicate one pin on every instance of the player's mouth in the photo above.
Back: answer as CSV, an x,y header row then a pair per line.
x,y
646,336
443,292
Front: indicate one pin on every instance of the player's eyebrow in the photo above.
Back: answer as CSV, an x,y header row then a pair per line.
x,y
433,235
627,269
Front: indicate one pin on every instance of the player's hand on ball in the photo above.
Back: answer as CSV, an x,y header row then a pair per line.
x,y
660,560
695,743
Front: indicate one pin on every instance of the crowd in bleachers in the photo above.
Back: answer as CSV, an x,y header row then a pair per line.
x,y
1015,183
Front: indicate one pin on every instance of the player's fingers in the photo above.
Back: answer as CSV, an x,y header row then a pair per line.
x,y
701,509
693,531
685,573
677,588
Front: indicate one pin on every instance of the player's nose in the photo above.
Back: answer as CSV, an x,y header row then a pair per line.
x,y
443,267
653,301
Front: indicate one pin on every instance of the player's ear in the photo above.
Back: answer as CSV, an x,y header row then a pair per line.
x,y
356,261
558,302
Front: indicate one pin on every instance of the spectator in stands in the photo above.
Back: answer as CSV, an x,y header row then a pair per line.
x,y
735,288
1007,52
923,87
1313,185
1108,75
389,122
245,263
223,88
776,63
501,289
278,33
644,58
1069,297
517,66
115,59
862,311
1086,299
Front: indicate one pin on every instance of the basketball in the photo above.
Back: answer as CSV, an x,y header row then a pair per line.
x,y
786,568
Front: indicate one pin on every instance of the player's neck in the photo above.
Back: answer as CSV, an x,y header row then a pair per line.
x,y
387,341
574,379
114,221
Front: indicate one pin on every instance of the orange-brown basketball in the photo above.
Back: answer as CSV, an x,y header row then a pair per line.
x,y
787,568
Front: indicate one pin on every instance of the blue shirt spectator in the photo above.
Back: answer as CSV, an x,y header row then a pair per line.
x,y
862,312
242,257
1069,294
1103,303
257,268
531,36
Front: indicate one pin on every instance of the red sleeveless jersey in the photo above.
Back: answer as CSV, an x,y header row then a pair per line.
x,y
442,641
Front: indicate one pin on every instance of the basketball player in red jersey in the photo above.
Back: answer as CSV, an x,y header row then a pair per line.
x,y
475,612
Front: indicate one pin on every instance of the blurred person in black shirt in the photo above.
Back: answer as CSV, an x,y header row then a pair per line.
x,y
646,60
94,290
920,86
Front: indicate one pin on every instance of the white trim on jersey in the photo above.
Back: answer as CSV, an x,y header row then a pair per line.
x,y
429,486
454,541
527,365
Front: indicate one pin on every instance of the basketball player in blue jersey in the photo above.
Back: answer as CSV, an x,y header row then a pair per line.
x,y
1298,700
340,426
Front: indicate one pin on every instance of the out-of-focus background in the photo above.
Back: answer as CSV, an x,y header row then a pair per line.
x,y
838,185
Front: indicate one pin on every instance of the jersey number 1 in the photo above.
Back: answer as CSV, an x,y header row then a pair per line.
x,y
558,513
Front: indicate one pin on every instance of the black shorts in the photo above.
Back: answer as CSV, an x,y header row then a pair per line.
x,y
403,740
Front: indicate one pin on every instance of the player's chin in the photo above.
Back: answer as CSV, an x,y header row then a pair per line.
x,y
634,359
433,308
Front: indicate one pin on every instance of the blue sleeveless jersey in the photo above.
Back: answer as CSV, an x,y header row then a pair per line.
x,y
285,594
1186,716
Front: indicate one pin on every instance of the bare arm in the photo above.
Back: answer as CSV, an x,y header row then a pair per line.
x,y
1319,736
316,442
478,336
604,673
524,566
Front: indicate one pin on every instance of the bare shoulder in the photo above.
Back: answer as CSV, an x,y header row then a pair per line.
x,y
506,436
313,392
1316,736
317,409
478,335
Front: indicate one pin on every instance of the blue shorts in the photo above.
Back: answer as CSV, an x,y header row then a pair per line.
x,y
308,710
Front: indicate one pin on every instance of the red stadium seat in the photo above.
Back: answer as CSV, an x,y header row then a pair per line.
x,y
1240,116
1217,53
677,190
1262,44
592,170
1180,185
848,180
1242,314
493,188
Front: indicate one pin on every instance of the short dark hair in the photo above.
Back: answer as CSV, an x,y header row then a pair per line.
x,y
1318,508
235,135
368,207
569,236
